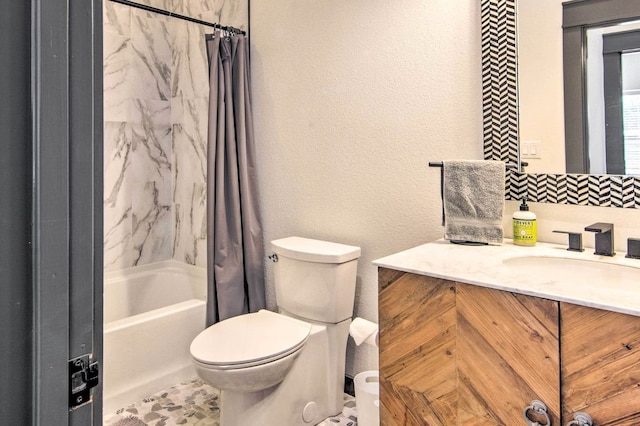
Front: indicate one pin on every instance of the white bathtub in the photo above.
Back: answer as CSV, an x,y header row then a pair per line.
x,y
151,315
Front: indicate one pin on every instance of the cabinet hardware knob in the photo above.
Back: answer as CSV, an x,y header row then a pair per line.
x,y
581,419
539,408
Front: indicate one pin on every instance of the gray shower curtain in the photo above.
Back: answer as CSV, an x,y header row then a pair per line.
x,y
235,252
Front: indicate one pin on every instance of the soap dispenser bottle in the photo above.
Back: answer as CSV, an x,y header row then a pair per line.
x,y
525,227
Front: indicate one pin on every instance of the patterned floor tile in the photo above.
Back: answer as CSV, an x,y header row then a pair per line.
x,y
195,403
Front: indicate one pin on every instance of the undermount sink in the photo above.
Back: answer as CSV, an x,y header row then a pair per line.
x,y
564,269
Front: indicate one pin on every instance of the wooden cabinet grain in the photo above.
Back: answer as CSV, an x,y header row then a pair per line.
x,y
600,365
459,354
453,353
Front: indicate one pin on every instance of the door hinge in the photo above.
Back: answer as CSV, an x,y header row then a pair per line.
x,y
84,373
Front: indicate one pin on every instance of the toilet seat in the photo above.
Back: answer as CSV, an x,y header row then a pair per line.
x,y
249,340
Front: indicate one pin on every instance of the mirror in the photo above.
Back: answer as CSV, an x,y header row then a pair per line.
x,y
500,121
564,119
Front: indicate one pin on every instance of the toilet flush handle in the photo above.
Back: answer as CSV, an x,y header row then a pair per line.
x,y
274,257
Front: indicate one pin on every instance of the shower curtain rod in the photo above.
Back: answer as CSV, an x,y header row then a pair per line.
x,y
176,15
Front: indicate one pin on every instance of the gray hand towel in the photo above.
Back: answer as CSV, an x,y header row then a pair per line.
x,y
473,201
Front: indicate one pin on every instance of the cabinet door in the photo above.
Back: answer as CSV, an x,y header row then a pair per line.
x,y
600,365
507,356
417,350
456,354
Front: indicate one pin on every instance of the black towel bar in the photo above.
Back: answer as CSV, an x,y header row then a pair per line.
x,y
508,165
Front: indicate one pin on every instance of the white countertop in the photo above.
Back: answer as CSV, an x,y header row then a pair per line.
x,y
485,266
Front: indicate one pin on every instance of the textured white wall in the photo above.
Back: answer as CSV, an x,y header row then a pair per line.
x,y
352,99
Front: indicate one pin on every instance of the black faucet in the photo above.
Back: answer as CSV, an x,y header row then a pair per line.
x,y
604,238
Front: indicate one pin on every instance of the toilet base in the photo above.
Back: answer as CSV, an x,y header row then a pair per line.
x,y
310,392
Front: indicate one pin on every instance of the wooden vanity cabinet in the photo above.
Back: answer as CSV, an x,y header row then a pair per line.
x,y
453,353
459,354
600,365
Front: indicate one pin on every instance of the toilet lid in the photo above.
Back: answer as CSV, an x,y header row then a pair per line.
x,y
249,338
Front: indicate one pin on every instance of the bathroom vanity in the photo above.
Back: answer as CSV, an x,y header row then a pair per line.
x,y
489,334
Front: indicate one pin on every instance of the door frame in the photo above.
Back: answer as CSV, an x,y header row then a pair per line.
x,y
66,85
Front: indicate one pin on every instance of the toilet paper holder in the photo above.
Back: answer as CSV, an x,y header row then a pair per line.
x,y
364,331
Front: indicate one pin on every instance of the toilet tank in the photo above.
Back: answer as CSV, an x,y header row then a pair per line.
x,y
315,279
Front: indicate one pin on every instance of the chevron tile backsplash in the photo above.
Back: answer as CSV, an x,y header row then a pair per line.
x,y
584,190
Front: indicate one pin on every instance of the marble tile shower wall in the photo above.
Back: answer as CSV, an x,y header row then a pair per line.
x,y
155,110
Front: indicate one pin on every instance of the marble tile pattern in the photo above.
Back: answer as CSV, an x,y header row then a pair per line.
x,y
155,125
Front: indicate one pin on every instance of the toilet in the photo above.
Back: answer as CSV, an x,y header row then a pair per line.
x,y
286,368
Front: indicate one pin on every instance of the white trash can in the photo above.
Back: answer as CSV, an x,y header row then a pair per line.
x,y
368,398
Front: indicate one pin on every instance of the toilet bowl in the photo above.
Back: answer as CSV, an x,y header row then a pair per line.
x,y
249,352
286,368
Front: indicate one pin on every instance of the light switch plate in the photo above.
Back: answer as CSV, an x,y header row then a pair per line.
x,y
530,149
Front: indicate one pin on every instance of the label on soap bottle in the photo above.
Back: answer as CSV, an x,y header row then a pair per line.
x,y
525,232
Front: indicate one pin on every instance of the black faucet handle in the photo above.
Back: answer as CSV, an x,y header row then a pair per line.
x,y
633,248
575,240
600,227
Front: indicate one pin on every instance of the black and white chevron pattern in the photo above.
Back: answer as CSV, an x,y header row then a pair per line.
x,y
500,125
499,80
585,190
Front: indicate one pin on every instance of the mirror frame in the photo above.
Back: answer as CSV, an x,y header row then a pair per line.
x,y
500,125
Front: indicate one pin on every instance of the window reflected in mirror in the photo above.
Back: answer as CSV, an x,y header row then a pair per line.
x,y
631,111
612,72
